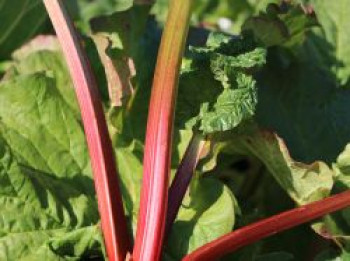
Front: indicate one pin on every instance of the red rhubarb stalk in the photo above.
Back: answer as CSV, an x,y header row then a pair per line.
x,y
183,178
267,227
156,164
113,221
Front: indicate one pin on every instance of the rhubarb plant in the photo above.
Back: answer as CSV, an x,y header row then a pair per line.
x,y
174,130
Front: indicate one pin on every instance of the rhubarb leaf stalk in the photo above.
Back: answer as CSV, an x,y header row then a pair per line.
x,y
113,220
183,178
270,226
154,195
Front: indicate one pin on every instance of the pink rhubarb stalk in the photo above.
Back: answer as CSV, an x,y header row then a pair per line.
x,y
113,221
154,195
183,178
267,227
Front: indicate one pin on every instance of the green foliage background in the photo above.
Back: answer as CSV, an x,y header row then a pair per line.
x,y
270,93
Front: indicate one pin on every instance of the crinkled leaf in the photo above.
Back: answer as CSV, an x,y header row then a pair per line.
x,y
223,65
232,107
47,198
195,88
40,121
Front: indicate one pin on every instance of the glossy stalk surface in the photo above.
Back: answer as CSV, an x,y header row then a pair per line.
x,y
156,164
113,220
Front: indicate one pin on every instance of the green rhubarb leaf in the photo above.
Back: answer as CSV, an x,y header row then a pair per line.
x,y
39,43
42,129
123,28
337,226
130,119
195,88
229,94
304,183
43,53
82,11
208,212
342,167
4,66
44,215
47,191
85,10
117,38
20,20
232,107
302,103
129,162
299,98
278,27
91,9
227,15
333,18
43,138
53,65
